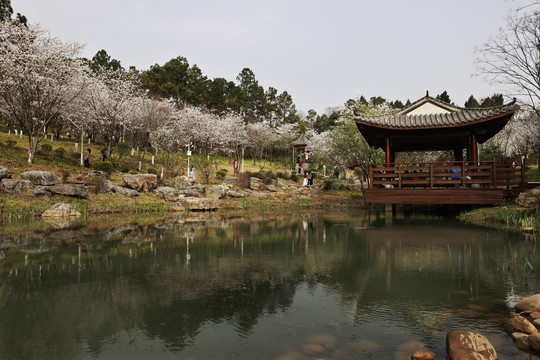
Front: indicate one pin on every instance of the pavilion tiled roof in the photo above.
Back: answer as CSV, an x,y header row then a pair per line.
x,y
456,116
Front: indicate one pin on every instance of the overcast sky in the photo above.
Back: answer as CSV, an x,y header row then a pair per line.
x,y
321,52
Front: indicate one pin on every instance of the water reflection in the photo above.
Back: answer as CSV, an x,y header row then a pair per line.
x,y
291,287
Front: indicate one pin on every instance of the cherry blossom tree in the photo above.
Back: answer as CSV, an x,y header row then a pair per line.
x,y
107,105
40,77
149,115
232,136
168,138
260,138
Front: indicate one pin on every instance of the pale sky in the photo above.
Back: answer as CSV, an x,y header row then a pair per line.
x,y
321,52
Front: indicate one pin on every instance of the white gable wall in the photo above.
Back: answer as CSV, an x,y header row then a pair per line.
x,y
428,108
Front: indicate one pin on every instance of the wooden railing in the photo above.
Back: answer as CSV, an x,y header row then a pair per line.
x,y
482,174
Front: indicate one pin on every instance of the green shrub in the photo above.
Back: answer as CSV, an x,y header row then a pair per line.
x,y
121,150
76,156
103,166
294,176
221,173
152,171
65,176
269,174
46,148
59,152
96,184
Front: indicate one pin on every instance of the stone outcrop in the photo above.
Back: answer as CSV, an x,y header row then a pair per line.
x,y
69,190
177,207
87,175
123,191
4,173
201,204
45,178
216,192
38,191
12,186
140,182
529,199
236,194
168,193
61,210
461,345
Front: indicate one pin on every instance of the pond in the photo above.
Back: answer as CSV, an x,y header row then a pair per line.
x,y
290,287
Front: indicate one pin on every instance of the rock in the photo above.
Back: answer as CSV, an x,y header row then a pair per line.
x,y
69,190
255,183
168,193
10,186
61,210
421,355
518,323
190,193
463,345
38,191
140,182
531,303
215,192
231,181
516,335
85,176
312,349
4,173
124,191
201,203
530,199
257,194
271,188
177,206
522,343
534,341
235,194
45,178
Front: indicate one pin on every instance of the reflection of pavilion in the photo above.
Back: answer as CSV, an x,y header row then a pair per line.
x,y
432,125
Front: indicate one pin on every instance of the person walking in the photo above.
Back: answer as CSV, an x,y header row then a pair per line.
x,y
87,158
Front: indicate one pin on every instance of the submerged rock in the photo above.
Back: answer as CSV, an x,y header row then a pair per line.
x,y
461,344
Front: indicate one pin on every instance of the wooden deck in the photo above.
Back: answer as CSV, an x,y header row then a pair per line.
x,y
484,182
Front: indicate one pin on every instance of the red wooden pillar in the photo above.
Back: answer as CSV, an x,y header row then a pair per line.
x,y
388,151
474,149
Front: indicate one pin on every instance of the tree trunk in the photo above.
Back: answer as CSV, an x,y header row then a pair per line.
x,y
31,148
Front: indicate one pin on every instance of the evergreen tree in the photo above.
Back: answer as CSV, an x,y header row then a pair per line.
x,y
444,97
472,103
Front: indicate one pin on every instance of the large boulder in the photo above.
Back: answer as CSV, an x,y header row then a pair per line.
x,y
518,323
190,193
123,191
236,194
4,173
534,341
61,210
531,303
69,190
11,186
45,178
87,175
168,193
468,345
140,182
201,204
215,192
38,191
530,199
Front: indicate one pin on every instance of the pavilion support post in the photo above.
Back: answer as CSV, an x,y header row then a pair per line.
x,y
458,155
474,149
388,151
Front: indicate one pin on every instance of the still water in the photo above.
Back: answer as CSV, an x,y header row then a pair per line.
x,y
292,287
